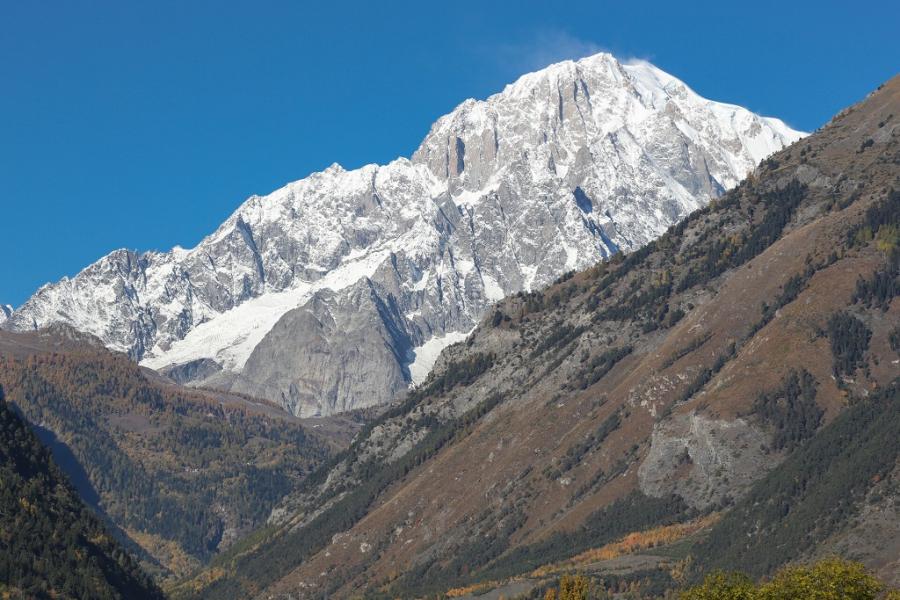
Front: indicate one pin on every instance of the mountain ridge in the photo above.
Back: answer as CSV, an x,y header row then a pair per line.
x,y
566,165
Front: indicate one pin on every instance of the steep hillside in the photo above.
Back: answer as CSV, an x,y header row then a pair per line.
x,y
847,474
647,391
338,290
181,473
51,545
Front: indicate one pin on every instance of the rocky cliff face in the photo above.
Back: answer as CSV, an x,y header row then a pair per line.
x,y
301,293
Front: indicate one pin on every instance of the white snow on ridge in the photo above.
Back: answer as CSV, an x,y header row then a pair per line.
x,y
5,311
563,167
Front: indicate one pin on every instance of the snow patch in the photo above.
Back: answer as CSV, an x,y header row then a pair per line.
x,y
424,356
492,289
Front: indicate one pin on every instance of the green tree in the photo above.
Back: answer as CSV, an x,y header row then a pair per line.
x,y
830,579
722,586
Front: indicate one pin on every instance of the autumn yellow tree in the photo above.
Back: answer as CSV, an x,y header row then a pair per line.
x,y
571,587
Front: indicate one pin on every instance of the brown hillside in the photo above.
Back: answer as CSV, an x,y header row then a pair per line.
x,y
639,393
181,473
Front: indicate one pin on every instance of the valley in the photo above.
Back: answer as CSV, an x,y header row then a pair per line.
x,y
179,473
596,332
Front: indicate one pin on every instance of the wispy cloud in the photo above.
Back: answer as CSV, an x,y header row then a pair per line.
x,y
546,47
554,46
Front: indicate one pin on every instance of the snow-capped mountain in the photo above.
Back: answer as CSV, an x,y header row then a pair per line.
x,y
5,311
335,291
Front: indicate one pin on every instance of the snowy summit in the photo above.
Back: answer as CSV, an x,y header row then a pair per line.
x,y
339,290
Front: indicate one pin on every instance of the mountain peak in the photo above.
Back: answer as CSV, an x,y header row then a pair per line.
x,y
563,167
602,62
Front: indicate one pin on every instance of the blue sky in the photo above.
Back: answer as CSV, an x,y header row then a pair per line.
x,y
145,124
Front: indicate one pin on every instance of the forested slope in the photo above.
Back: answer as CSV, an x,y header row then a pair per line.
x,y
51,545
181,473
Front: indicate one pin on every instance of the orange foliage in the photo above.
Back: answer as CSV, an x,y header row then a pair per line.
x,y
469,589
633,542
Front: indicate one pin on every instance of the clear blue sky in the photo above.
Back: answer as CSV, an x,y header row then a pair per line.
x,y
144,124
